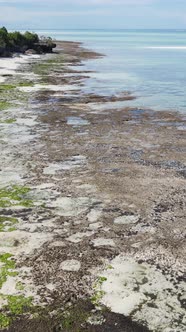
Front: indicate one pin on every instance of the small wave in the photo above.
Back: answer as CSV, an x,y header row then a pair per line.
x,y
166,47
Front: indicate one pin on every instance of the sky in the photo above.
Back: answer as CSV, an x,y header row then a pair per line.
x,y
91,14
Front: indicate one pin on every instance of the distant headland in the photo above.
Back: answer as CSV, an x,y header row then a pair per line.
x,y
25,43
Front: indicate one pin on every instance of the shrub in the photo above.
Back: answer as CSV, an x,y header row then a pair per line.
x,y
31,39
16,39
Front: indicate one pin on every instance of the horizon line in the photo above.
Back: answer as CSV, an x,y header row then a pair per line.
x,y
103,29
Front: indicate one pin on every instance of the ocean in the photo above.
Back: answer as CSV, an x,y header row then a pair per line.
x,y
151,64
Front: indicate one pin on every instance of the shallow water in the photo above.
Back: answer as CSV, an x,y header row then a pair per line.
x,y
150,64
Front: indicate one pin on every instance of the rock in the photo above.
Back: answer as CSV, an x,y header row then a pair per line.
x,y
30,51
44,46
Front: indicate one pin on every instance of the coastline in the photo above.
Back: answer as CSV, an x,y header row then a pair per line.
x,y
105,188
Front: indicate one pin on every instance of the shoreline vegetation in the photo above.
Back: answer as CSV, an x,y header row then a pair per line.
x,y
91,204
26,43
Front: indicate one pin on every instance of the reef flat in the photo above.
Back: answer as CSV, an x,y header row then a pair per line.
x,y
92,203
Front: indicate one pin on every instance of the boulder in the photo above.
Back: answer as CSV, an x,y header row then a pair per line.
x,y
31,51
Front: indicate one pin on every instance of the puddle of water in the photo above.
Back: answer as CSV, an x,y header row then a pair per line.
x,y
137,112
182,128
77,121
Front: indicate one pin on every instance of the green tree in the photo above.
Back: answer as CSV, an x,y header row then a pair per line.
x,y
3,37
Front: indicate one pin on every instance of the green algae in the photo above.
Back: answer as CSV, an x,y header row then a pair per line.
x,y
42,68
109,267
7,224
7,87
13,305
15,195
74,318
12,97
8,268
4,105
8,121
98,293
20,286
25,83
96,298
5,258
4,321
101,280
48,65
16,305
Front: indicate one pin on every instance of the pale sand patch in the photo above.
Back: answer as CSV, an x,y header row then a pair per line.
x,y
9,176
70,265
9,66
102,242
94,215
89,188
28,242
11,287
145,293
124,220
50,87
30,122
57,244
69,207
95,226
78,237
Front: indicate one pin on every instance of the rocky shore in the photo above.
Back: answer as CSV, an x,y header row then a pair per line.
x,y
92,202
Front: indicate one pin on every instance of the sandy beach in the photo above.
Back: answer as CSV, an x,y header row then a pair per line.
x,y
92,200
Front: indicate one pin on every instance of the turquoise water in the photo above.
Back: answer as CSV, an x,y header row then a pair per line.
x,y
150,64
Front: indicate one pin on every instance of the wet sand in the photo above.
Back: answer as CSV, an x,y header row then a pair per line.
x,y
102,246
